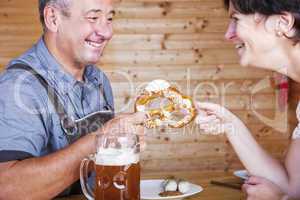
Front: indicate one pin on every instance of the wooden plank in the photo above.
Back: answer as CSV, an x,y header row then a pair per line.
x,y
184,151
190,72
168,41
183,164
164,25
169,10
164,57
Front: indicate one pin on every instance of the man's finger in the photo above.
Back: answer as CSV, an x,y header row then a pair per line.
x,y
140,130
136,118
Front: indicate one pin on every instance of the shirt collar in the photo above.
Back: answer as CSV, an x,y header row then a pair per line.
x,y
93,75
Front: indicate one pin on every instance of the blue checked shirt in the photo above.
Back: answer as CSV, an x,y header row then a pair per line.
x,y
29,125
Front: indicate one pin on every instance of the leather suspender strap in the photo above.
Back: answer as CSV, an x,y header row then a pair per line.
x,y
51,95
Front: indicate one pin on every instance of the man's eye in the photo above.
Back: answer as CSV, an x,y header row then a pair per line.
x,y
92,19
110,19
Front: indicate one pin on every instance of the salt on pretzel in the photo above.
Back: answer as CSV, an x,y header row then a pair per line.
x,y
178,104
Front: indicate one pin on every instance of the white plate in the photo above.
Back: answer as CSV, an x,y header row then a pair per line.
x,y
151,188
243,174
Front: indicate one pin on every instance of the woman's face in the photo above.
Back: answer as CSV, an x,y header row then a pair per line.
x,y
253,37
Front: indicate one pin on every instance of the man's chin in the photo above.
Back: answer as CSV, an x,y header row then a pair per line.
x,y
92,60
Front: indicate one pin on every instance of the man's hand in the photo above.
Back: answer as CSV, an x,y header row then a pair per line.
x,y
127,124
258,188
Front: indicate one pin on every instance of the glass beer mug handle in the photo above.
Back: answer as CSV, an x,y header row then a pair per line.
x,y
86,189
137,146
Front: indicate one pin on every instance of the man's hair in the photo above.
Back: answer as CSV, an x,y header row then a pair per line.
x,y
269,7
63,5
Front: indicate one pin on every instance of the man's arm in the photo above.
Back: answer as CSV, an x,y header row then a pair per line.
x,y
44,177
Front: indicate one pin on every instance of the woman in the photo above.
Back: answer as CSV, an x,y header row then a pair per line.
x,y
266,34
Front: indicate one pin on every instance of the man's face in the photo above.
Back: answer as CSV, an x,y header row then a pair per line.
x,y
82,36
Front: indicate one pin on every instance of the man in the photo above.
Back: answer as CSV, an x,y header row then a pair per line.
x,y
46,91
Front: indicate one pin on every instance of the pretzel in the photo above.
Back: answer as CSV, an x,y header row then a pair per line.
x,y
165,114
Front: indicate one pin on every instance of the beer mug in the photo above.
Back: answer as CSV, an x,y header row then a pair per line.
x,y
117,168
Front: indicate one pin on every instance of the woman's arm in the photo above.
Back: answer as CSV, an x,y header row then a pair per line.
x,y
256,160
292,164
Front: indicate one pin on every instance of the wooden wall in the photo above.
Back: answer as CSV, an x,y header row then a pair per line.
x,y
180,41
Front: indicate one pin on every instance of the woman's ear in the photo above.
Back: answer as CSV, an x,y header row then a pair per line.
x,y
51,18
285,24
258,17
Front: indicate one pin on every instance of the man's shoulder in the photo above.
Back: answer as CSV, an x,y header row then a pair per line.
x,y
17,75
19,82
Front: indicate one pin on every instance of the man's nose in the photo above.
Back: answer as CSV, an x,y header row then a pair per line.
x,y
231,31
105,29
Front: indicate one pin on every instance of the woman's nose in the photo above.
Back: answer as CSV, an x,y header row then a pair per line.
x,y
231,31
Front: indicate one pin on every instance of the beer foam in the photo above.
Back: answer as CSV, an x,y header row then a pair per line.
x,y
116,157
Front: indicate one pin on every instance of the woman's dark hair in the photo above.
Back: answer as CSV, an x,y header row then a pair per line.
x,y
269,7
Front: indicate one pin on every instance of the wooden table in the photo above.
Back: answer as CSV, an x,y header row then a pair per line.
x,y
211,192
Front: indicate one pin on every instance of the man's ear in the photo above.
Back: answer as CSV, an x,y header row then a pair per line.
x,y
51,18
285,24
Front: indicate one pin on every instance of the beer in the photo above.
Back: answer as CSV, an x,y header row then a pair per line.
x,y
117,168
117,175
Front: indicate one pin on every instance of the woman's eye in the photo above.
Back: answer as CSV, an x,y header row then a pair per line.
x,y
235,17
234,20
110,19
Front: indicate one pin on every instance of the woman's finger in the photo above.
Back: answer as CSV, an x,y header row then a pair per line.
x,y
207,106
245,188
211,108
202,113
205,119
219,111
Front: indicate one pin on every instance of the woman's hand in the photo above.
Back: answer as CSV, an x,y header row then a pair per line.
x,y
258,188
215,119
